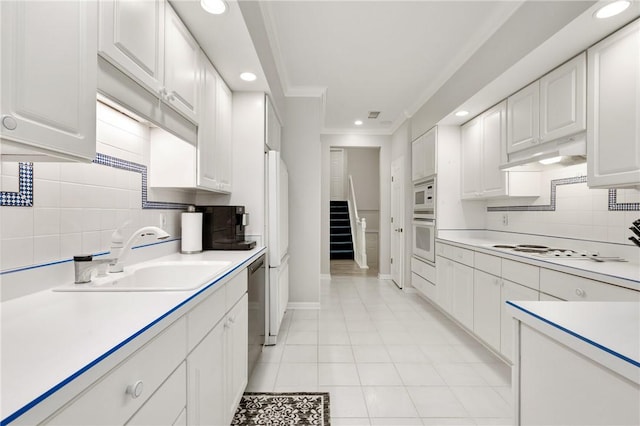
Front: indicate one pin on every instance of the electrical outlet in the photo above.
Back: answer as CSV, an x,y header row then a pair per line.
x,y
163,220
505,219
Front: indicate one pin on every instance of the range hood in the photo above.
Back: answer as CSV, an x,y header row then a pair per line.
x,y
564,151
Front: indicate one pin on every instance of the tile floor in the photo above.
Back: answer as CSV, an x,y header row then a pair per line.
x,y
387,358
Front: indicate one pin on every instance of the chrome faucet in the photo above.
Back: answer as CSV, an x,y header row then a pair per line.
x,y
120,251
84,265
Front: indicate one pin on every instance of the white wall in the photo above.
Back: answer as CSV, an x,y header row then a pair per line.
x,y
76,207
302,154
382,142
248,163
581,213
363,164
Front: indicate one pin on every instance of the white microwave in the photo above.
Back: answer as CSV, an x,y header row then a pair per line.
x,y
424,197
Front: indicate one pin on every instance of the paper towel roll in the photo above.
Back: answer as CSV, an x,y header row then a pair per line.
x,y
191,232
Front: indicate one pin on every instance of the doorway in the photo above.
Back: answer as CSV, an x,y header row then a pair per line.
x,y
397,222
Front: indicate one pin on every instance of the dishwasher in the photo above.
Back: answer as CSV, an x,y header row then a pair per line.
x,y
257,310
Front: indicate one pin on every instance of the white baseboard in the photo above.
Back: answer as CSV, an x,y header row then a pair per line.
x,y
410,290
303,305
325,276
384,277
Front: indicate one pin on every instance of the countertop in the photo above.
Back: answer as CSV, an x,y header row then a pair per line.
x,y
623,274
606,332
51,339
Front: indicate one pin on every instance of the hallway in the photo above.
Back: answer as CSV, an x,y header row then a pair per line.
x,y
387,358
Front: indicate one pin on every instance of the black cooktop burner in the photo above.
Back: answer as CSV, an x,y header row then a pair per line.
x,y
532,246
504,246
530,250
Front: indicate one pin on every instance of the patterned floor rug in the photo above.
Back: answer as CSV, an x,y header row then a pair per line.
x,y
285,408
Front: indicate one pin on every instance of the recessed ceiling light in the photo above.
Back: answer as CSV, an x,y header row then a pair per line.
x,y
462,113
612,9
248,76
358,122
215,7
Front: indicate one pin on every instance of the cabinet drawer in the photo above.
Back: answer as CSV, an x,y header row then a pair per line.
x,y
521,273
166,405
423,269
487,263
205,316
107,401
423,286
236,288
571,287
457,254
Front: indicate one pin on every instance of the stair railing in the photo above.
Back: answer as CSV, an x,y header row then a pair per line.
x,y
358,228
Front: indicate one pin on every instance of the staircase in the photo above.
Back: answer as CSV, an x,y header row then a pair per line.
x,y
341,242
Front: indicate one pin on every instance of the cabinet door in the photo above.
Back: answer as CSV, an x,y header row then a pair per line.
x,y
462,306
223,136
181,66
471,159
49,76
236,346
486,307
613,136
207,126
429,158
206,380
274,131
418,153
494,132
511,291
131,36
444,286
523,118
563,100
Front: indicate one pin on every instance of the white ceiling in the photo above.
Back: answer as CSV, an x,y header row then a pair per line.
x,y
370,55
386,56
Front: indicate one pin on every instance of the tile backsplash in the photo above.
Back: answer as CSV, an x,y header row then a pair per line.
x,y
580,212
76,207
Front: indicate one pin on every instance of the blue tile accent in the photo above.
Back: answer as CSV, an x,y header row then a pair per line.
x,y
24,196
544,207
107,160
615,206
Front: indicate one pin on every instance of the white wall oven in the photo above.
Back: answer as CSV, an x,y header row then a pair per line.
x,y
424,221
424,237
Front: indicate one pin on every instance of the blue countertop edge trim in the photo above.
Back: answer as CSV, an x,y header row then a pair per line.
x,y
574,334
87,367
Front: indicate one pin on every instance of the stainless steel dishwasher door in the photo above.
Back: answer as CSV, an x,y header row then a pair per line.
x,y
257,310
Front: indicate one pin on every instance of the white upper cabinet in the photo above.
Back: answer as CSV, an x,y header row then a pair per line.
x,y
48,70
524,115
147,41
181,65
224,105
563,100
547,112
206,167
423,156
131,36
273,126
613,137
482,143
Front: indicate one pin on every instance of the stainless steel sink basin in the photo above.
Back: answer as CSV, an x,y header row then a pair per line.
x,y
158,276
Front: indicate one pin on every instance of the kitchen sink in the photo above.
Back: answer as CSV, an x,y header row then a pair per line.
x,y
158,276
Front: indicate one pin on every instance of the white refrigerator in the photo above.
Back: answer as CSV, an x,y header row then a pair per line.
x,y
277,244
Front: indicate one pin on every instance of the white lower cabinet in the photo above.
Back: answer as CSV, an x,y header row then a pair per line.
x,y
194,372
444,287
462,302
511,291
486,307
206,404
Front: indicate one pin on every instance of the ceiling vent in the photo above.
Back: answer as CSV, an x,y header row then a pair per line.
x,y
373,114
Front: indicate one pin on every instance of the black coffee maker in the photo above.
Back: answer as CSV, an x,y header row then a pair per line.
x,y
223,228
